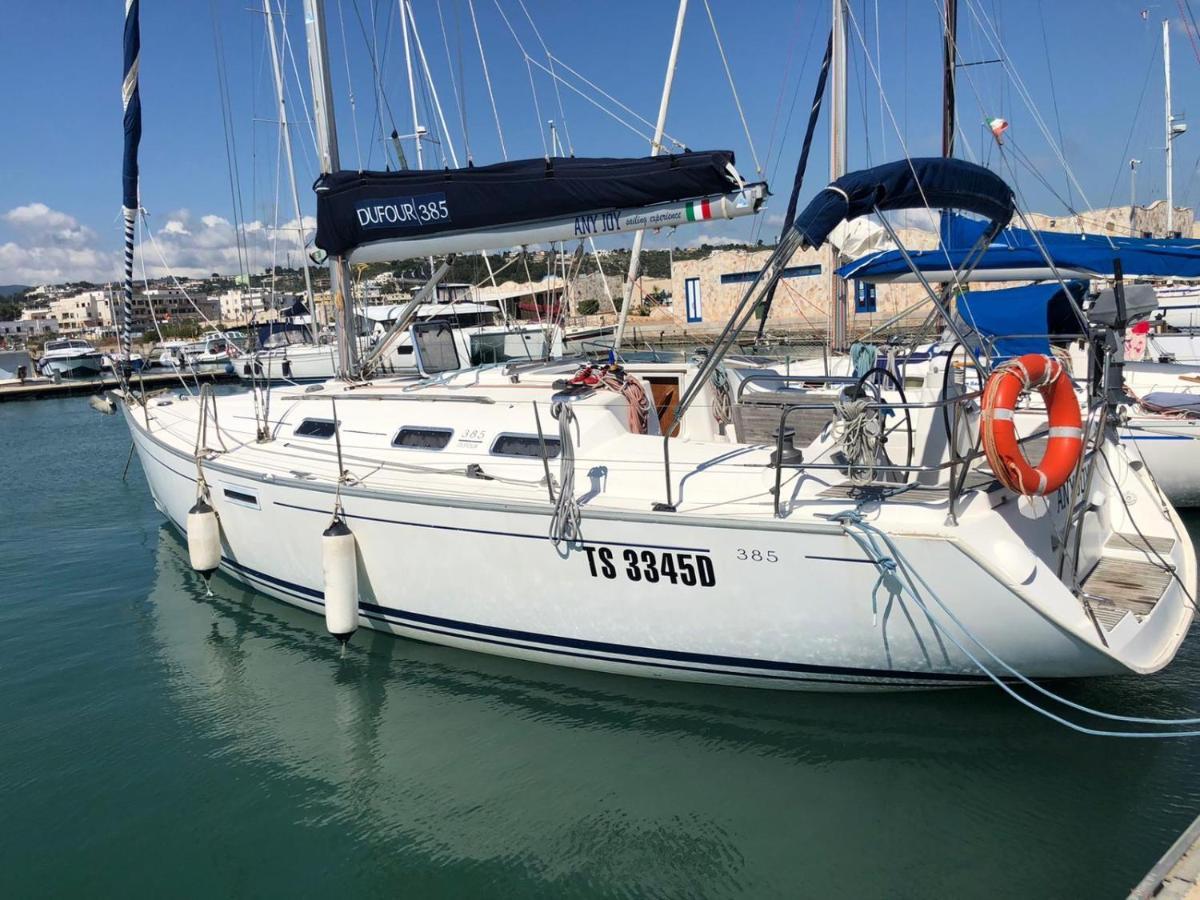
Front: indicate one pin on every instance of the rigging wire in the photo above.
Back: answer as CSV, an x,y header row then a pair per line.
x,y
487,78
350,84
376,84
537,107
290,56
646,137
784,82
235,184
732,87
883,151
993,37
1054,94
460,98
1189,25
557,94
599,90
443,128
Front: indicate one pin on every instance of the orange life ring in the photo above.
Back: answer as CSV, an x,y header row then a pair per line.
x,y
1000,395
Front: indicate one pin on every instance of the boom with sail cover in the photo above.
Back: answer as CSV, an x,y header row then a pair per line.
x,y
379,216
932,183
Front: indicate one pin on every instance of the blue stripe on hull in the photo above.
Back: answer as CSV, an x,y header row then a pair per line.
x,y
609,652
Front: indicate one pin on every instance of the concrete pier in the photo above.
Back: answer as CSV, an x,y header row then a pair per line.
x,y
37,389
1177,875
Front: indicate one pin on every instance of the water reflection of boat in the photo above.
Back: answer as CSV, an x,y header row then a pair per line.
x,y
556,777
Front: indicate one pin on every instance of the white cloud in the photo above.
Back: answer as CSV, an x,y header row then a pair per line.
x,y
48,245
198,248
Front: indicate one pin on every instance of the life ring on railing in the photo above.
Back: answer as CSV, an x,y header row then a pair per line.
x,y
1000,395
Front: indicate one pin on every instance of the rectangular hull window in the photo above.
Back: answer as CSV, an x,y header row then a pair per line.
x,y
315,428
525,445
422,438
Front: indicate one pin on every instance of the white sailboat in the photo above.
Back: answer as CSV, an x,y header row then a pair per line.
x,y
614,518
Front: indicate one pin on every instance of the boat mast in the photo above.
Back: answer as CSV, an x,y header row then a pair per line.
x,y
281,95
837,168
949,74
412,89
327,150
1173,128
655,147
132,103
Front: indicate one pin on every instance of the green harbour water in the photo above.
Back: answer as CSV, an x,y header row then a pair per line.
x,y
155,742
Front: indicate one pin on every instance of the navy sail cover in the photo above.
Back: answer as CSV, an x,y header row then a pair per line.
x,y
932,183
1020,253
355,208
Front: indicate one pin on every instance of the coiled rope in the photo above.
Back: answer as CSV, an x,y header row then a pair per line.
x,y
722,402
565,520
857,429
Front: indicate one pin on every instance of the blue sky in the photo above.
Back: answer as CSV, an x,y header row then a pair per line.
x,y
60,197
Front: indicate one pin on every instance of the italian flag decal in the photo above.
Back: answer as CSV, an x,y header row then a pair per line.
x,y
698,210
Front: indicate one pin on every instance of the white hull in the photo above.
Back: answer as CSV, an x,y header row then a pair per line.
x,y
297,364
83,366
485,577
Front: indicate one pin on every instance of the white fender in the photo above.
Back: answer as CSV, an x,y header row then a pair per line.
x,y
203,538
339,562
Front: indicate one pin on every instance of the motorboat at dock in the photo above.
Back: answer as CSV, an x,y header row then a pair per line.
x,y
70,358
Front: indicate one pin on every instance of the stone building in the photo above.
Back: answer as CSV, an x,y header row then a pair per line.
x,y
1121,221
172,305
705,291
82,312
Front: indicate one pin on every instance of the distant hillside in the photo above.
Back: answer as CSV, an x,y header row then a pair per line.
x,y
9,290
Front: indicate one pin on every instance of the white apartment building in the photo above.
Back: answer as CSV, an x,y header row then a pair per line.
x,y
82,312
170,305
241,304
24,328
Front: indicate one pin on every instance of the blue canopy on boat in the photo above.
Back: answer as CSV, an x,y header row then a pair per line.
x,y
1014,255
1019,320
934,183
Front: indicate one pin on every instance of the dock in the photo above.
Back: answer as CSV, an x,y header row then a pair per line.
x,y
41,388
1177,875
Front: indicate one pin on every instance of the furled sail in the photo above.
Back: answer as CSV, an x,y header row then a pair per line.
x,y
380,216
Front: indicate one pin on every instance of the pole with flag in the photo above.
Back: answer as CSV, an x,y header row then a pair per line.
x,y
132,102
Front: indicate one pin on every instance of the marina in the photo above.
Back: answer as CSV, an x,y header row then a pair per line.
x,y
540,510
481,775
